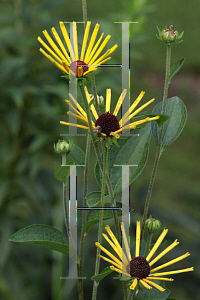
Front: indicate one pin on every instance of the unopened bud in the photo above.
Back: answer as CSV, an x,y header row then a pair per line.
x,y
152,225
100,99
169,35
62,146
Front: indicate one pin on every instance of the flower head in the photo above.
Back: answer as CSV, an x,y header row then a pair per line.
x,y
169,35
139,268
107,124
89,58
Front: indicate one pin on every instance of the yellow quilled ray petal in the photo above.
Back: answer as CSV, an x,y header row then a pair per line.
x,y
92,40
108,253
100,49
77,105
97,62
145,284
85,38
60,44
77,117
136,123
157,244
137,246
94,49
171,262
100,62
76,111
119,271
174,272
92,106
75,41
114,263
114,239
137,111
112,245
159,278
49,49
125,241
108,52
108,100
74,125
53,61
67,40
135,103
119,102
174,244
66,66
91,69
133,285
160,288
53,45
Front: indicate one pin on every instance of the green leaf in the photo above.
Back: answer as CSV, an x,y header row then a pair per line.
x,y
133,150
177,112
43,235
77,155
103,273
94,199
153,294
175,68
62,174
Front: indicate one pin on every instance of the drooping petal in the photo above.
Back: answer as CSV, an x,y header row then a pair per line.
x,y
160,288
133,285
145,284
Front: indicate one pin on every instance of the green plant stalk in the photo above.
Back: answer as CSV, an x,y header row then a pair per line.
x,y
82,241
131,294
64,200
109,186
150,234
158,151
95,285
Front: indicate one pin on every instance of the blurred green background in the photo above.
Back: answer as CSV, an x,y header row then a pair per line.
x,y
32,104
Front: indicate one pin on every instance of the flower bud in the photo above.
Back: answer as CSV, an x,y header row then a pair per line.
x,y
62,146
169,35
100,99
152,225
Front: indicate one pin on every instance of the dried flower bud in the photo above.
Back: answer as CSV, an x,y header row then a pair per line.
x,y
169,35
152,225
62,146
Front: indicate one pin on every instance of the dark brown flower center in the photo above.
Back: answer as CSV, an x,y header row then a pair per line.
x,y
139,267
79,63
108,123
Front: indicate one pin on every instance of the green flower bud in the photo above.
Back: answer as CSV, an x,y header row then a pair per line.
x,y
63,147
100,99
169,35
152,225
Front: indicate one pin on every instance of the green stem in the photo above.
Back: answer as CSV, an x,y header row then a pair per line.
x,y
148,243
80,257
64,200
95,285
131,295
158,152
84,8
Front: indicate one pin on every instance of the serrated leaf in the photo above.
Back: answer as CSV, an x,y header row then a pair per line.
x,y
77,155
153,294
177,112
133,150
63,173
103,274
43,235
175,68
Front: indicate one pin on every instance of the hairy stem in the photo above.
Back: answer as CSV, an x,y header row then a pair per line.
x,y
159,150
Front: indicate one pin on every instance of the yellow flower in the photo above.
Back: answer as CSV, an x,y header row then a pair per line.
x,y
139,268
89,59
107,124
